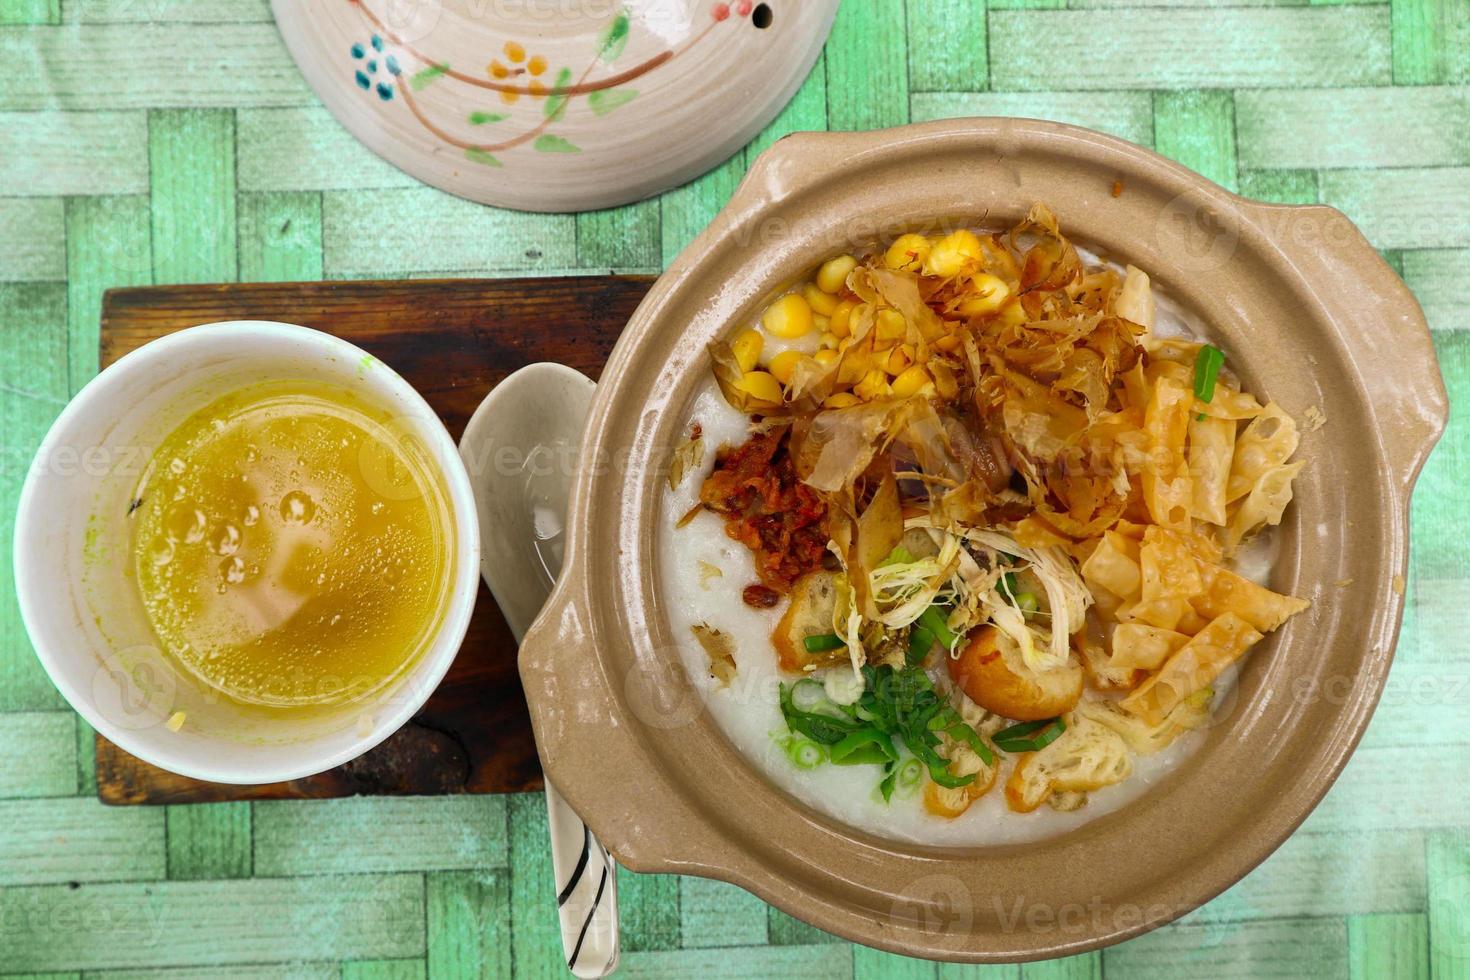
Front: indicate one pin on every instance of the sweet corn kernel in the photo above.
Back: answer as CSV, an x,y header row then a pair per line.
x,y
830,340
823,303
789,317
949,343
907,252
840,320
843,399
874,385
747,348
762,385
899,359
821,324
990,294
890,326
783,365
826,356
911,382
833,274
952,253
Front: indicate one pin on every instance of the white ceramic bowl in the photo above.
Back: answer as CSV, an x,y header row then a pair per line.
x,y
82,608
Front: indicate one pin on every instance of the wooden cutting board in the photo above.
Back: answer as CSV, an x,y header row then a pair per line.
x,y
453,340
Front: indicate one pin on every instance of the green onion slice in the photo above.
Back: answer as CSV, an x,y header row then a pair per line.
x,y
961,732
941,775
921,641
865,745
1030,736
897,723
1206,371
910,774
935,619
822,642
804,753
865,755
822,728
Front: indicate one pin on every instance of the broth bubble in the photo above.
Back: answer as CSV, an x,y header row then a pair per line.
x,y
297,507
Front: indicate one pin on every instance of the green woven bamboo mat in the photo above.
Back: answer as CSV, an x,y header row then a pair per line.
x,y
173,141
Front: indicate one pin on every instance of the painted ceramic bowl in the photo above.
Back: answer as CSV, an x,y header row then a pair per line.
x,y
563,106
1313,318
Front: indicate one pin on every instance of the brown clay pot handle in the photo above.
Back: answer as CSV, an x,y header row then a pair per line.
x,y
591,750
1378,317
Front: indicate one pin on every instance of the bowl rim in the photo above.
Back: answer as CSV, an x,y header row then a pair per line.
x,y
575,616
416,686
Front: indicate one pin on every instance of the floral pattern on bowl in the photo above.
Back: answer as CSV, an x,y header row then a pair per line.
x,y
509,104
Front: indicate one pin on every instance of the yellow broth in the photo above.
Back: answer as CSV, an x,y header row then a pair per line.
x,y
292,546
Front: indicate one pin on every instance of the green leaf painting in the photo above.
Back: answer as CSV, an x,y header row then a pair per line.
x,y
426,77
615,38
481,157
605,101
556,144
478,118
556,104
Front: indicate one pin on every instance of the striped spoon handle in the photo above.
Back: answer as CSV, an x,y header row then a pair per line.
x,y
587,892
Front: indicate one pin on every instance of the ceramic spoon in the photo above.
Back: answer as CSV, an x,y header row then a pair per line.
x,y
520,448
